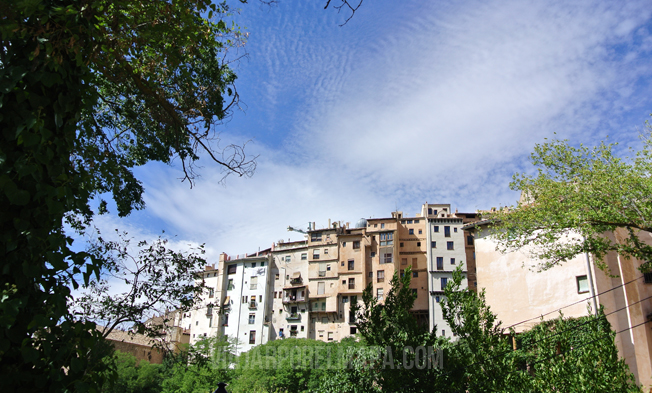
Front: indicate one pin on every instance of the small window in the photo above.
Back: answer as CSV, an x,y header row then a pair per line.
x,y
252,337
351,264
409,221
253,264
455,229
433,244
403,261
418,244
400,244
330,336
582,284
211,292
231,269
380,276
414,292
342,263
244,299
353,330
343,244
436,227
304,256
447,231
345,299
252,319
356,245
437,299
444,282
420,231
343,282
411,230
375,225
382,226
373,254
325,251
288,258
276,277
647,277
328,268
469,240
379,294
415,274
351,283
450,246
387,258
443,332
262,264
452,261
321,334
402,273
440,263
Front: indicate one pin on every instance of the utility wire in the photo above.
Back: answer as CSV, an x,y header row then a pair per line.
x,y
574,303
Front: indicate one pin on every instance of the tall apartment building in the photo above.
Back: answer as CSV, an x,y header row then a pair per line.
x,y
306,289
289,302
447,250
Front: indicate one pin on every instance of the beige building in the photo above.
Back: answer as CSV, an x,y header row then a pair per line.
x,y
517,292
289,300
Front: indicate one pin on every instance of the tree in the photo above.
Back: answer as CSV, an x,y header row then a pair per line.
x,y
578,197
88,90
157,279
391,327
133,376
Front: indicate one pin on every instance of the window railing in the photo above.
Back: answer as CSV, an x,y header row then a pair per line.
x,y
315,256
351,285
322,273
253,305
293,316
380,279
296,281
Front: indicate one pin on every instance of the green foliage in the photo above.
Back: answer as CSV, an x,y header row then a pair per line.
x,y
391,327
289,365
578,195
132,376
88,90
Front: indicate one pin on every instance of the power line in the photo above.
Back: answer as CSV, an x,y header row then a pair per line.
x,y
574,303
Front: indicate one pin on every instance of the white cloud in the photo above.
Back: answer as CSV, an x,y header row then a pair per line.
x,y
442,106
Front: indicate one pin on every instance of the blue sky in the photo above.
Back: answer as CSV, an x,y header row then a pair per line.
x,y
409,102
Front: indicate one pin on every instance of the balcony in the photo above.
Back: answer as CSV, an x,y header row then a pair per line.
x,y
381,279
253,305
294,299
296,281
351,285
322,273
293,317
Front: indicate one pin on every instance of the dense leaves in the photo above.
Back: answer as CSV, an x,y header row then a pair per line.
x,y
578,196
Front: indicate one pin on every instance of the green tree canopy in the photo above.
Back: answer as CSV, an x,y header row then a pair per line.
x,y
577,196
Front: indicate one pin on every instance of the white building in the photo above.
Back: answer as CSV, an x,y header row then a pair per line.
x,y
446,251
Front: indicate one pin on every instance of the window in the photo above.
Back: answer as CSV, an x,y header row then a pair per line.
x,y
274,298
409,221
455,229
429,210
343,282
373,254
371,274
418,244
380,276
304,256
231,269
262,264
351,264
342,263
414,262
437,299
252,337
325,251
375,225
253,284
452,261
420,231
387,258
436,227
328,268
402,273
647,277
447,231
315,237
302,328
433,244
321,334
244,299
416,221
343,244
315,254
276,276
209,310
582,284
411,231
211,292
354,299
450,246
440,263
287,258
386,238
403,261
382,226
230,285
400,244
252,319
414,292
444,282
321,287
443,332
323,308
253,264
379,294
353,330
345,299
351,283
415,274
469,240
356,244
330,336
